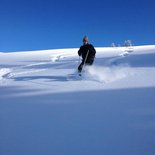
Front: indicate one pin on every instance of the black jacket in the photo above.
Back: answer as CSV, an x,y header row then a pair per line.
x,y
88,51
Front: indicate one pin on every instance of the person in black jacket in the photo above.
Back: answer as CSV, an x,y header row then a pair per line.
x,y
87,51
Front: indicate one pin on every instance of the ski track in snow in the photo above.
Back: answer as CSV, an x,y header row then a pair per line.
x,y
15,71
107,74
58,57
4,72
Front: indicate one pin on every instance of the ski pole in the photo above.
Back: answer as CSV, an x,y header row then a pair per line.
x,y
85,59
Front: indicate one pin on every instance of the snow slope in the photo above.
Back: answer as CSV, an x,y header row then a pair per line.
x,y
45,110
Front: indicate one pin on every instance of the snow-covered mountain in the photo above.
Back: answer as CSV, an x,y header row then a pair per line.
x,y
46,109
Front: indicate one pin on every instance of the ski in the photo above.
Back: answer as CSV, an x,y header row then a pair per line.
x,y
74,76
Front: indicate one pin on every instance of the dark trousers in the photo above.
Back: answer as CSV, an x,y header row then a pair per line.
x,y
87,63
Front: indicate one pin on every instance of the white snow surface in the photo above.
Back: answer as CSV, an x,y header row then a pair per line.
x,y
47,109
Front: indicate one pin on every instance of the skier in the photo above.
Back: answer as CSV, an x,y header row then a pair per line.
x,y
87,51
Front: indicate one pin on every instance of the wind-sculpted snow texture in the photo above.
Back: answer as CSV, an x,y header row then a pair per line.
x,y
47,109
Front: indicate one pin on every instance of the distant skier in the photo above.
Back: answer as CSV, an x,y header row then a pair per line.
x,y
87,51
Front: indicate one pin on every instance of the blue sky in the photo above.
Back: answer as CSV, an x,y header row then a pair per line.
x,y
49,24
